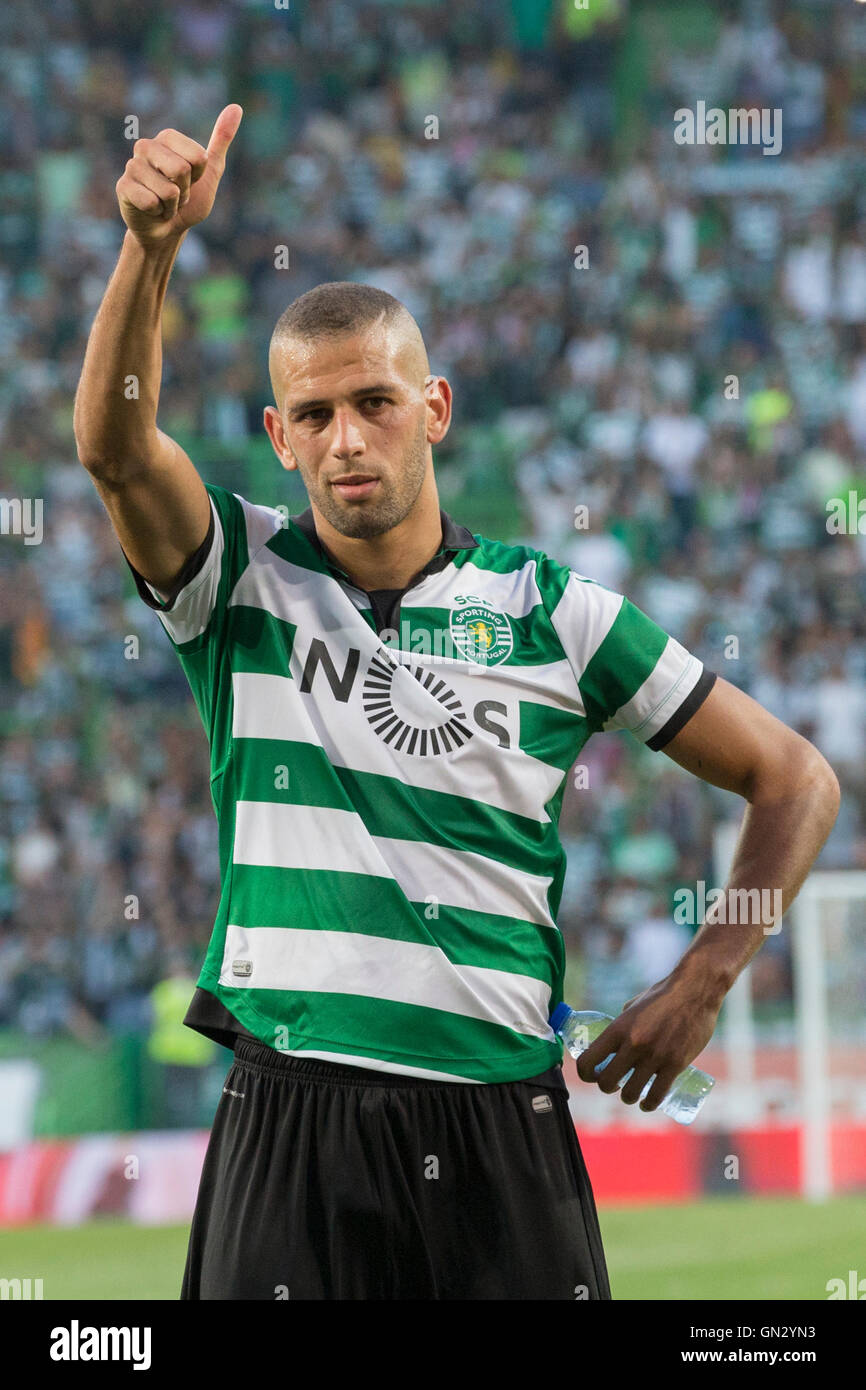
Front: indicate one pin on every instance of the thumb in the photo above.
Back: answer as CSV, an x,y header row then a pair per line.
x,y
223,133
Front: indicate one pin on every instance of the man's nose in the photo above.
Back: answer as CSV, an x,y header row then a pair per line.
x,y
347,441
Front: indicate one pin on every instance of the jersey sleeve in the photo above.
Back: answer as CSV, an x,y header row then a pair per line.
x,y
192,610
630,673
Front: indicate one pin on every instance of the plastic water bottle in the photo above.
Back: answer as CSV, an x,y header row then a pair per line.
x,y
579,1028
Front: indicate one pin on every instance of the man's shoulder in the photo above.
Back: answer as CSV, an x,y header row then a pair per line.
x,y
229,501
503,556
256,524
553,578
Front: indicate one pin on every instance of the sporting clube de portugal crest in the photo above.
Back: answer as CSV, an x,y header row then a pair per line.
x,y
480,633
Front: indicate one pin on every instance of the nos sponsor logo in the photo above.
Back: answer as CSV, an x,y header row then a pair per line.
x,y
412,709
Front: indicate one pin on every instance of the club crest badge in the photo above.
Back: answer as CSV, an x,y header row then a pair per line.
x,y
481,634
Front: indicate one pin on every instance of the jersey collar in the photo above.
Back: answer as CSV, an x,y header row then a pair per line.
x,y
454,537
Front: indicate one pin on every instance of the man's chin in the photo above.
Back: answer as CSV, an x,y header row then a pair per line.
x,y
361,520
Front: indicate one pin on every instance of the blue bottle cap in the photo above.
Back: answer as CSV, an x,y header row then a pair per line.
x,y
558,1017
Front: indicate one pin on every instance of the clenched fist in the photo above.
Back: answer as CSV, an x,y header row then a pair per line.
x,y
170,183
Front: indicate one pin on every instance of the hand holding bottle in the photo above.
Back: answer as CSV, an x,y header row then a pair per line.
x,y
579,1028
655,1037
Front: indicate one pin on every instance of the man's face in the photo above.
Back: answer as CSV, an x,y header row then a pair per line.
x,y
358,418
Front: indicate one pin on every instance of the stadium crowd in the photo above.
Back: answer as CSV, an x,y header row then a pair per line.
x,y
696,380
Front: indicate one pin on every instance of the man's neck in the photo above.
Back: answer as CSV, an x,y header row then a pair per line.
x,y
391,560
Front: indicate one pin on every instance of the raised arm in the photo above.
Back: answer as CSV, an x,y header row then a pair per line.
x,y
155,498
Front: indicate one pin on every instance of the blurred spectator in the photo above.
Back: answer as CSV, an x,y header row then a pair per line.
x,y
700,387
181,1053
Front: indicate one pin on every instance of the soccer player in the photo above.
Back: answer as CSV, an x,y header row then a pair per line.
x,y
393,704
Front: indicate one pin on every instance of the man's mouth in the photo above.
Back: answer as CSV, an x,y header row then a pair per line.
x,y
354,486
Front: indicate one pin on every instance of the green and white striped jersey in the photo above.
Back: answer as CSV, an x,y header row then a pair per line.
x,y
388,800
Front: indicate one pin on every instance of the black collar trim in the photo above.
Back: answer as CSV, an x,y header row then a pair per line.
x,y
454,537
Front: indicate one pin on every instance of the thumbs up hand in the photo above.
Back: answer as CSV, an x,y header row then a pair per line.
x,y
170,183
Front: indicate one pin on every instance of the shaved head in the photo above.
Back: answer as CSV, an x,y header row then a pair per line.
x,y
339,309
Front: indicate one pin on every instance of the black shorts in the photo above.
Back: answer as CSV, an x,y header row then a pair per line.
x,y
324,1181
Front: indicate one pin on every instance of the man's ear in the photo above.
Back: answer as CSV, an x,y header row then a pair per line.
x,y
273,423
441,403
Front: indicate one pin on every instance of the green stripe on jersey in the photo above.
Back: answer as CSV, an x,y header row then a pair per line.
x,y
268,897
350,1030
626,658
300,773
390,862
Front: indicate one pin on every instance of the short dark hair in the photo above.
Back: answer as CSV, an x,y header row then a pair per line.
x,y
335,308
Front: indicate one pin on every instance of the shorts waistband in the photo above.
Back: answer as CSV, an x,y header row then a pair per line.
x,y
268,1059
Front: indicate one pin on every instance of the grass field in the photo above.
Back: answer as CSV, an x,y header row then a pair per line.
x,y
732,1249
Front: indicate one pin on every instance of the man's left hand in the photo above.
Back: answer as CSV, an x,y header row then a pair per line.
x,y
659,1032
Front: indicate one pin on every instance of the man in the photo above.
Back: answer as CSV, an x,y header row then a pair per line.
x,y
393,705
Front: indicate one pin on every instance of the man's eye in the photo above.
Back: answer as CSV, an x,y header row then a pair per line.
x,y
321,412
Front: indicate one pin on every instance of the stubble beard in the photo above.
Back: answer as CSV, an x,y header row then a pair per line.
x,y
391,503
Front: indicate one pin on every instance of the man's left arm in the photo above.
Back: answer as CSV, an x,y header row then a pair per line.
x,y
793,800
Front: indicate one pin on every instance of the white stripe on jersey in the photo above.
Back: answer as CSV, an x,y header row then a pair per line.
x,y
661,694
273,835
379,967
347,1059
273,707
582,619
190,613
